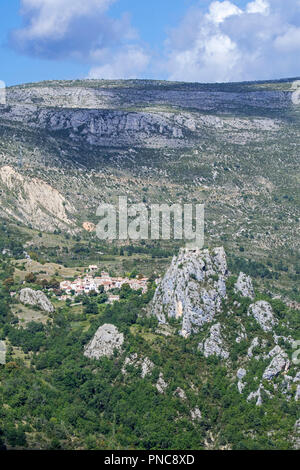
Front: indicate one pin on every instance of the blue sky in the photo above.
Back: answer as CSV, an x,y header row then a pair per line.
x,y
188,40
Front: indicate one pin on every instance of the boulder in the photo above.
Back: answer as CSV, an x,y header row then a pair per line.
x,y
244,287
106,340
263,314
36,298
241,373
279,363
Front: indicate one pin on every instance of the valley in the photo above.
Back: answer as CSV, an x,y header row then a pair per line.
x,y
143,344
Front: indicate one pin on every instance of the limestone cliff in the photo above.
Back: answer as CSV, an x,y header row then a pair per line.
x,y
33,201
36,298
192,289
106,340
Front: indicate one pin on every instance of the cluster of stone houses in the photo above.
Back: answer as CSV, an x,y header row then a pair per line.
x,y
89,283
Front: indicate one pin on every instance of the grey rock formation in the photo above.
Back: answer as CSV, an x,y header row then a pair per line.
x,y
196,414
144,363
129,361
161,385
263,314
256,343
2,352
241,334
241,373
37,298
192,289
297,395
244,286
180,393
33,201
214,344
279,363
106,340
96,116
258,395
241,385
296,436
147,367
297,378
287,339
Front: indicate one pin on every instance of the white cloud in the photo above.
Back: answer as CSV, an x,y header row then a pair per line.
x,y
223,43
80,30
219,11
52,18
289,41
49,18
230,44
128,62
258,6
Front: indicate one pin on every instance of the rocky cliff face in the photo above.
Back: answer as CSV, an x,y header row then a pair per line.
x,y
33,201
36,298
106,340
104,94
147,114
208,143
119,128
194,292
192,289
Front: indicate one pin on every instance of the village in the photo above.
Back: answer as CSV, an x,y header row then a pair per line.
x,y
91,282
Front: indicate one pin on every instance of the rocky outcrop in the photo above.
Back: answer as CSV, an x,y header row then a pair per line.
x,y
33,201
161,385
192,289
144,364
36,298
196,414
279,363
2,352
241,334
244,287
136,115
240,375
180,393
258,395
255,343
214,344
296,437
263,314
106,340
115,94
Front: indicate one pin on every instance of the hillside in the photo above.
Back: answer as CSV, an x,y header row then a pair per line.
x,y
232,146
202,356
123,379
